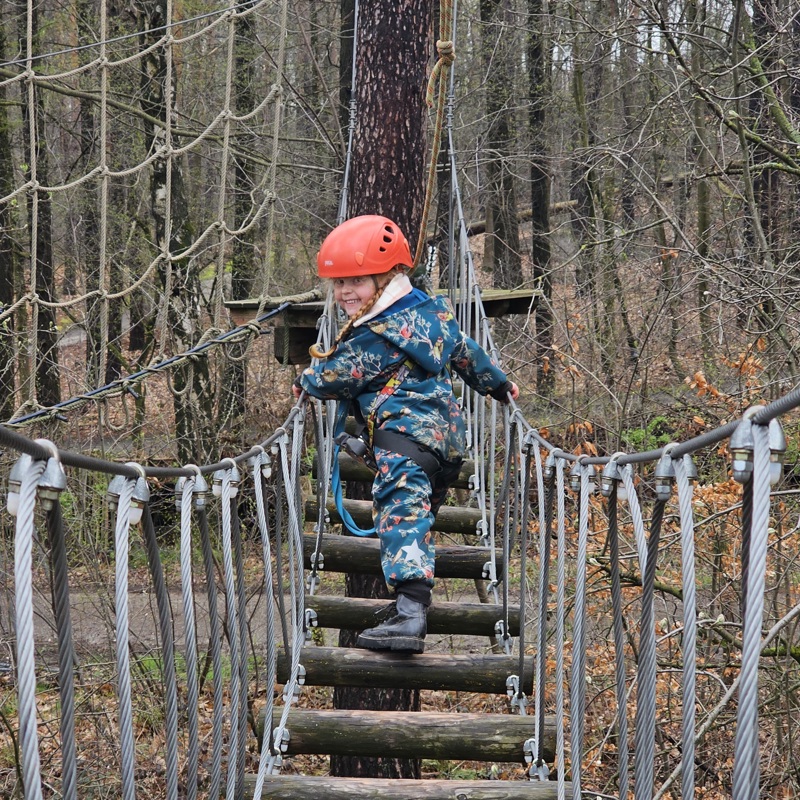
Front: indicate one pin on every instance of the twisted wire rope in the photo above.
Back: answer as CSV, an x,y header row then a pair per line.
x,y
168,653
215,645
561,586
619,643
125,707
271,652
241,599
190,639
23,617
645,730
689,624
232,608
66,650
746,772
577,691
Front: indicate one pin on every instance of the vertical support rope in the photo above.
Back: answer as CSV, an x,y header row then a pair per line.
x,y
439,74
577,692
215,643
561,570
167,650
619,644
190,652
66,651
233,631
102,276
241,598
644,735
689,626
125,710
746,772
23,608
263,529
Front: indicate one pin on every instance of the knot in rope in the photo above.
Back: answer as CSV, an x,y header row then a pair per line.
x,y
446,51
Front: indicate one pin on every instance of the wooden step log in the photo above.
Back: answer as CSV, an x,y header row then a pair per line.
x,y
467,619
302,787
361,555
413,734
352,470
459,672
450,519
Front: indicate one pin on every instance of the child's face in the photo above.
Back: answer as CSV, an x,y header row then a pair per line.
x,y
351,293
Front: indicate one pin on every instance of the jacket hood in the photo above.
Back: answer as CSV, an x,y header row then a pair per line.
x,y
426,332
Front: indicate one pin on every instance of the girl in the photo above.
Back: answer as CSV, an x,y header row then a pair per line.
x,y
392,362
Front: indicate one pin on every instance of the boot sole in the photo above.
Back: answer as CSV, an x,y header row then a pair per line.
x,y
405,644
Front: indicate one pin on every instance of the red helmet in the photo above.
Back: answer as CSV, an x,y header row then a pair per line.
x,y
366,245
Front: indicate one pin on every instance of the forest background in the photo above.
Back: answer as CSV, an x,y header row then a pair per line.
x,y
636,164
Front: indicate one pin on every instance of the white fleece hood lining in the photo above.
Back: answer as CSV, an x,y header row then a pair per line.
x,y
398,287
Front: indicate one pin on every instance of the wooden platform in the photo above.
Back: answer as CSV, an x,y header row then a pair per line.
x,y
295,329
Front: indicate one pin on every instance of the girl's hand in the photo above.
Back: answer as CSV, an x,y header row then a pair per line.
x,y
297,389
514,391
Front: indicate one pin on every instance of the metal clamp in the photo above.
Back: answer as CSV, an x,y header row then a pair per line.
x,y
537,771
281,741
318,559
311,622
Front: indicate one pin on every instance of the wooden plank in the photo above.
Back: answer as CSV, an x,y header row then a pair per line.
x,y
357,613
413,734
362,556
464,672
303,787
450,519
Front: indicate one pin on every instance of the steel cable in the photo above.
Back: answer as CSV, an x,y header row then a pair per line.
x,y
167,652
66,650
619,643
746,772
561,570
23,611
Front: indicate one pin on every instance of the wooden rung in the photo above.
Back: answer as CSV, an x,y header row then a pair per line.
x,y
413,734
357,613
352,470
301,787
450,519
361,555
458,672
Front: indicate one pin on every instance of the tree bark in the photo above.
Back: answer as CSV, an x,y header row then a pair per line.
x,y
8,261
501,247
193,394
40,219
538,96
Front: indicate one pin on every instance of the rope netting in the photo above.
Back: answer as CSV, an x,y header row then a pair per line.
x,y
572,529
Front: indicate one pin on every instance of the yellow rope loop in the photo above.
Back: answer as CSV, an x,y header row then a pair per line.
x,y
446,51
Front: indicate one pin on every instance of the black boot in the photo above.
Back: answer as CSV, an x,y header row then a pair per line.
x,y
405,631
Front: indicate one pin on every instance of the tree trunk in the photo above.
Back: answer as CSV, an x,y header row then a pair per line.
x,y
502,245
389,153
387,178
8,261
539,95
193,396
40,221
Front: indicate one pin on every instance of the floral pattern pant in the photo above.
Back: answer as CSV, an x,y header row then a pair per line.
x,y
404,506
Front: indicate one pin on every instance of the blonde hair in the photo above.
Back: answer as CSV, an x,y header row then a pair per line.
x,y
382,280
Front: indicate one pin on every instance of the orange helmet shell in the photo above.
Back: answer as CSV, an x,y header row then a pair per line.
x,y
365,245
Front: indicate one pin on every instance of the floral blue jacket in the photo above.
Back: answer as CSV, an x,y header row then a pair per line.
x,y
423,407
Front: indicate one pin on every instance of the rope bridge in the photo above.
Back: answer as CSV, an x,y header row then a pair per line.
x,y
545,533
542,505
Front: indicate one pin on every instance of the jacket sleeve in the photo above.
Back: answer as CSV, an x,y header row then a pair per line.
x,y
478,368
343,376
